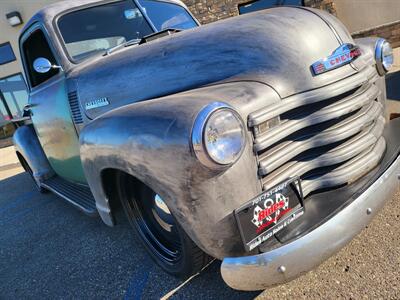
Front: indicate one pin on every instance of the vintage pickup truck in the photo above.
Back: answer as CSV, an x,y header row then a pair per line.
x,y
261,140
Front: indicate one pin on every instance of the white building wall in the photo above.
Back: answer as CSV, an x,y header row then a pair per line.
x,y
360,15
26,8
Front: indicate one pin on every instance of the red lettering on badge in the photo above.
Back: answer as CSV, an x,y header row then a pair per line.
x,y
276,219
270,210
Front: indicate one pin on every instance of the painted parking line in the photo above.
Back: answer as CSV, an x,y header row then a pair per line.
x,y
138,282
175,290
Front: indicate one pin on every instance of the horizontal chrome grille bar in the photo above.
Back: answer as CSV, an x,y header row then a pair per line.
x,y
341,153
335,110
275,157
368,74
350,171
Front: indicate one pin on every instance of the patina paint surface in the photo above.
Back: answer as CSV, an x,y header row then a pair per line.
x,y
52,121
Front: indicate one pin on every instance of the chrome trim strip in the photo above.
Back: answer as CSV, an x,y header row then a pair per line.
x,y
304,254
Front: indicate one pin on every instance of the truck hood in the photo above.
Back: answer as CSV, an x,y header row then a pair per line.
x,y
276,47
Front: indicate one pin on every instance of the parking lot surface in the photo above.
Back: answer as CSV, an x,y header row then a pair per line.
x,y
48,249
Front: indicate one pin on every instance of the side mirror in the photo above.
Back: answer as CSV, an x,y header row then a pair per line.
x,y
43,65
27,110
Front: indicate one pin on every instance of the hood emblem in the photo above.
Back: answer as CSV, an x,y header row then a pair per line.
x,y
97,103
343,55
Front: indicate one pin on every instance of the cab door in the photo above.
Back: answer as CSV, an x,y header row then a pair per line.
x,y
49,106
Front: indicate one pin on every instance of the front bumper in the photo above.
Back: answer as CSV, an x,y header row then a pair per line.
x,y
291,260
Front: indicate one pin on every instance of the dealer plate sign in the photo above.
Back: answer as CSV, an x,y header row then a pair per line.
x,y
270,212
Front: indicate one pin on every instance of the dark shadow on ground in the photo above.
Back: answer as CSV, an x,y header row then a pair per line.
x,y
48,249
393,86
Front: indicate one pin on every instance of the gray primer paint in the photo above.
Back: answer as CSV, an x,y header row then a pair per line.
x,y
248,62
153,144
272,47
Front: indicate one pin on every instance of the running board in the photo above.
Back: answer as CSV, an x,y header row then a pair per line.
x,y
79,196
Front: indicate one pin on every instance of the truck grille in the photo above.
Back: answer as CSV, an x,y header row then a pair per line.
x,y
328,137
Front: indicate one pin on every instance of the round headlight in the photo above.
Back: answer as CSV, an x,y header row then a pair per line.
x,y
218,135
383,56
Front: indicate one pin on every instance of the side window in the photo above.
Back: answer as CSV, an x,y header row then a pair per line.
x,y
167,15
36,46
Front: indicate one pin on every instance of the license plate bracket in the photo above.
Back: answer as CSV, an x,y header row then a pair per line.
x,y
268,213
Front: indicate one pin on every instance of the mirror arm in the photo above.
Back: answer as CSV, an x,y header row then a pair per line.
x,y
57,67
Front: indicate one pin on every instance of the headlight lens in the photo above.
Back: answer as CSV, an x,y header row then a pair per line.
x,y
383,56
218,135
387,56
224,136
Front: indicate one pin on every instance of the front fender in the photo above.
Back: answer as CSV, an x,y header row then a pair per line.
x,y
151,141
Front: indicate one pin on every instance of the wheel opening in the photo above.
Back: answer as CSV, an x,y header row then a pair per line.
x,y
150,216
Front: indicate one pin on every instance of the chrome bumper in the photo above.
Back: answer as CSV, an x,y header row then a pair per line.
x,y
293,259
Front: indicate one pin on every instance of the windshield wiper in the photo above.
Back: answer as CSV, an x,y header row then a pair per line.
x,y
123,45
159,34
143,40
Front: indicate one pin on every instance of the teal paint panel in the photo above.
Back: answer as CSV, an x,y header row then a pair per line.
x,y
53,123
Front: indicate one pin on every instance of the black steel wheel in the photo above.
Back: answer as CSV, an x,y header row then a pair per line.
x,y
164,239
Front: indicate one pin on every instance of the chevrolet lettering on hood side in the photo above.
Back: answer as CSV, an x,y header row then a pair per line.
x,y
260,140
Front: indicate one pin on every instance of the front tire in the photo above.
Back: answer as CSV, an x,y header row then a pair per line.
x,y
164,239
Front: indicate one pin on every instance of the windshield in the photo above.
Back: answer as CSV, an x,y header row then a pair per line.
x,y
96,29
165,15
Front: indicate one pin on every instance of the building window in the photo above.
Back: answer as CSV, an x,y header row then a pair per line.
x,y
264,4
6,53
16,96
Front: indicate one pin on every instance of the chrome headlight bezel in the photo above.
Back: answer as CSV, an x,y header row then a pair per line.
x,y
384,62
198,135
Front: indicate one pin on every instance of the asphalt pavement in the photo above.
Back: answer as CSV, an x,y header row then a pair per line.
x,y
50,250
